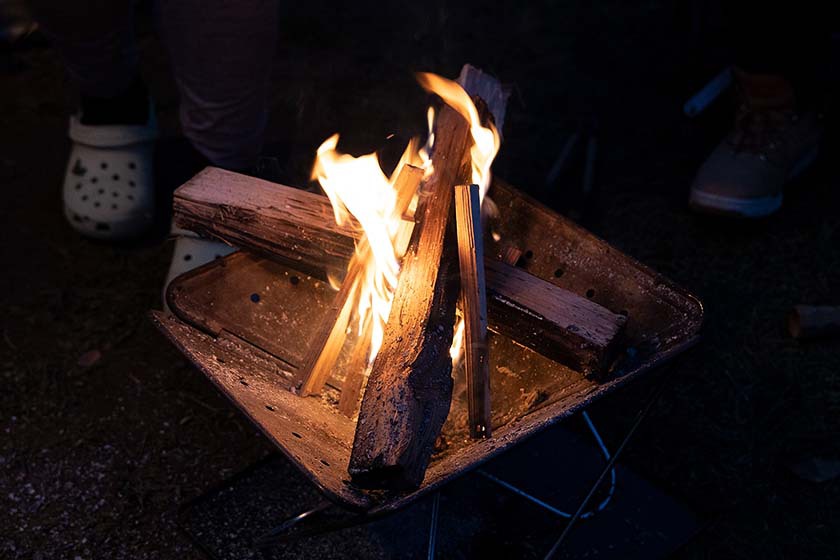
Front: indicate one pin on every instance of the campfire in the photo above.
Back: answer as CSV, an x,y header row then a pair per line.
x,y
401,287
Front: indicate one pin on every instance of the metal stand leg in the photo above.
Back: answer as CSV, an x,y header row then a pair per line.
x,y
276,533
433,526
286,531
639,417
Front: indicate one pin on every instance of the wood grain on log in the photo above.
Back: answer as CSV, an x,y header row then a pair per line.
x,y
292,225
560,325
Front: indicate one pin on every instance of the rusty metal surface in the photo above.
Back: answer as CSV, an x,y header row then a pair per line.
x,y
529,391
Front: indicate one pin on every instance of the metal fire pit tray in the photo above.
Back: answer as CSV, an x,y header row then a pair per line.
x,y
245,322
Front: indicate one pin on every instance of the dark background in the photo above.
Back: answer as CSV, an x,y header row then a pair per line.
x,y
95,460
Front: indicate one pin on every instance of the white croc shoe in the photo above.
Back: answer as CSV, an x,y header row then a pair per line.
x,y
191,252
109,186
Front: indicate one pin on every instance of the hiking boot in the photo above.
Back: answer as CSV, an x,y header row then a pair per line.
x,y
770,144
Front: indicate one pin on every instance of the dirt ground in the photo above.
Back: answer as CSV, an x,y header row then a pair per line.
x,y
95,459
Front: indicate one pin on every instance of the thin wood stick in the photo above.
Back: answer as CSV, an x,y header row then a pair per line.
x,y
474,307
327,343
356,369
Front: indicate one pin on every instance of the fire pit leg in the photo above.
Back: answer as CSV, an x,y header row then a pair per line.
x,y
433,526
285,531
610,464
275,534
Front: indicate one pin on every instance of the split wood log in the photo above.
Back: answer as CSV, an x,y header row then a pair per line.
x,y
556,323
814,321
265,229
473,307
291,225
409,389
356,369
325,346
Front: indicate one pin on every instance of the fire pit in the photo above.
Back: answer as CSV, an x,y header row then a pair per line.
x,y
243,320
571,318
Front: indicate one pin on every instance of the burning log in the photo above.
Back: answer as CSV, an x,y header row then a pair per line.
x,y
292,225
326,345
410,386
474,307
268,231
561,325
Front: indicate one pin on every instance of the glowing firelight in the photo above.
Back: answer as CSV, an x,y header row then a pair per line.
x,y
357,187
486,141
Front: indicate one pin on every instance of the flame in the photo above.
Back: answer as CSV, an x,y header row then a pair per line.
x,y
457,340
486,141
358,188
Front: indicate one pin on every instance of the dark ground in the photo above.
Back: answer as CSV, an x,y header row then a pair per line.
x,y
95,460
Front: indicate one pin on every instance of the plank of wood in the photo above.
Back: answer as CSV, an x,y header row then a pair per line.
x,y
473,307
292,225
323,349
556,323
409,389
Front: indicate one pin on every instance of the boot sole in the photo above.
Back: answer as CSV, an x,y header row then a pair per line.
x,y
748,207
739,207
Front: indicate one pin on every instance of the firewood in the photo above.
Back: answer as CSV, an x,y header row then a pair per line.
x,y
473,307
410,386
814,321
560,325
325,346
291,225
356,369
261,232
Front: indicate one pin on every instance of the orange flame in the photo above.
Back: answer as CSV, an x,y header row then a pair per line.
x,y
357,187
486,140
